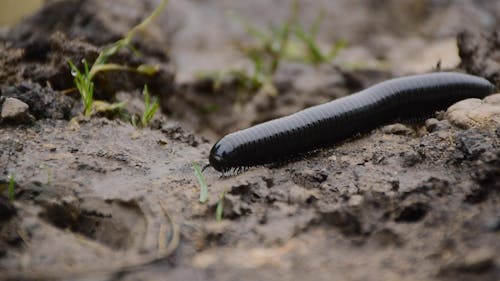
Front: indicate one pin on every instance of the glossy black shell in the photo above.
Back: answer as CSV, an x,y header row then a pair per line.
x,y
411,97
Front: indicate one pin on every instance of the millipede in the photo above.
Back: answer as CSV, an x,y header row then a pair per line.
x,y
405,98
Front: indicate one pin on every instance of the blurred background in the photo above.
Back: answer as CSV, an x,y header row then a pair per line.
x,y
12,11
409,35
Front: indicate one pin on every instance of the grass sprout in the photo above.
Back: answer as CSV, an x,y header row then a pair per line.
x,y
201,182
84,84
220,207
286,41
84,79
314,54
150,108
10,187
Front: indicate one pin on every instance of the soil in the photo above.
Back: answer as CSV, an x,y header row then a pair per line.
x,y
99,199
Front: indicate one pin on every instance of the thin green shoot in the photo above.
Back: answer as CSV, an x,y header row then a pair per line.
x,y
286,41
10,188
126,41
84,84
313,52
201,182
150,108
220,207
83,80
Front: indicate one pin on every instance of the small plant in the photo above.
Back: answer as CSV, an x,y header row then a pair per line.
x,y
201,182
10,188
220,207
84,84
149,108
288,41
314,54
84,80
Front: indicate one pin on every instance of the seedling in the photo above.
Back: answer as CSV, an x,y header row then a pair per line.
x,y
220,207
84,80
288,41
314,54
201,182
10,188
149,108
84,84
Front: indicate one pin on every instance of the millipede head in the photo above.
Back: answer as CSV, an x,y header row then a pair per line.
x,y
218,158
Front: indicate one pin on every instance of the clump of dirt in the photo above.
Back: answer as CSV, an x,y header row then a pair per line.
x,y
38,50
81,19
44,102
100,199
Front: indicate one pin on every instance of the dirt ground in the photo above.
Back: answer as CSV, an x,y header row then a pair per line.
x,y
98,199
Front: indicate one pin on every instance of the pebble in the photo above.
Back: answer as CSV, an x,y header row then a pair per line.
x,y
397,129
431,124
301,195
475,112
16,112
474,262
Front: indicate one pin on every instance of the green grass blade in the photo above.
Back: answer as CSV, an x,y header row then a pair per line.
x,y
315,54
149,108
201,182
252,29
146,21
220,207
84,85
339,46
10,188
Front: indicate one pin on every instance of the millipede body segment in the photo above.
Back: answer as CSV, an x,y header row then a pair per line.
x,y
405,98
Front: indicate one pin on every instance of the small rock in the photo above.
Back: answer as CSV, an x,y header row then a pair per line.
x,y
474,262
135,135
473,144
475,112
478,260
301,195
492,224
411,158
378,157
397,129
431,124
162,142
493,99
355,200
315,175
386,237
15,111
434,125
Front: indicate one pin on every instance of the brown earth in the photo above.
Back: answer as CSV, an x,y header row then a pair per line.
x,y
98,199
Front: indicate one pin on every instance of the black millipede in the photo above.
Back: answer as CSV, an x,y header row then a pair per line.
x,y
405,98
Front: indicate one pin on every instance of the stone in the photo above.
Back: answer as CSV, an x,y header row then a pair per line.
x,y
15,111
475,112
397,129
